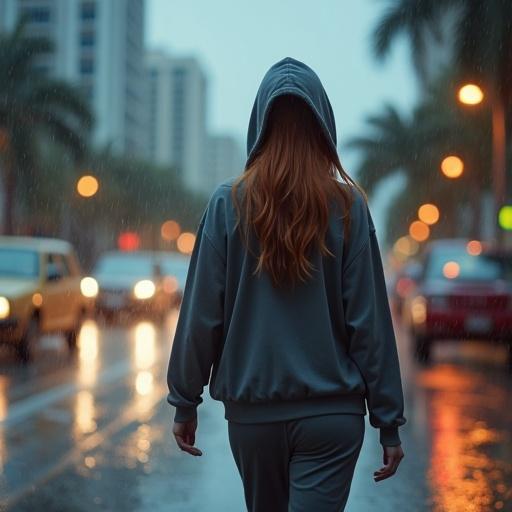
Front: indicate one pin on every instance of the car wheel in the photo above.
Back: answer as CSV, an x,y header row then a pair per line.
x,y
72,336
27,342
422,348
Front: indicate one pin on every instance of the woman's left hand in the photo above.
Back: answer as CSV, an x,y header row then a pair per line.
x,y
185,435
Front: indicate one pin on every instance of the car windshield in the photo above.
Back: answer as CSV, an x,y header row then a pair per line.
x,y
458,264
22,263
125,264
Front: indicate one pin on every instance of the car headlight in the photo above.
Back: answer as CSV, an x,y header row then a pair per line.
x,y
144,289
89,287
5,308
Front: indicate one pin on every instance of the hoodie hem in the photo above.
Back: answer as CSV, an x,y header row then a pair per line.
x,y
282,410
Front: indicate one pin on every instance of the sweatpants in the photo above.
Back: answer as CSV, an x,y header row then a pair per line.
x,y
299,465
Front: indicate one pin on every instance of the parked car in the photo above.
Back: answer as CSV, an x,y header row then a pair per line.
x,y
404,284
465,291
39,291
131,282
175,269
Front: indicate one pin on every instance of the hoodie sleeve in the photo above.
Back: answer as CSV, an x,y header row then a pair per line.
x,y
372,343
200,322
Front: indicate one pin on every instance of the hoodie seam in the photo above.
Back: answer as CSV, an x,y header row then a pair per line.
x,y
358,253
210,240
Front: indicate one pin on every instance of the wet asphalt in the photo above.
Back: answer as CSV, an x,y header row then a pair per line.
x,y
92,431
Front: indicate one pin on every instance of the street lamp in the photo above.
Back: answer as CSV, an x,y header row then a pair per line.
x,y
87,186
419,231
186,242
452,166
170,230
428,213
471,94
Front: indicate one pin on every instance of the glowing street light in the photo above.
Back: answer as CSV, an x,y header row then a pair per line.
x,y
428,213
471,94
170,230
419,231
87,186
186,242
452,167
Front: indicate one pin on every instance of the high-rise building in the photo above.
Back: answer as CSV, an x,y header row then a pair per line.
x,y
224,159
177,116
99,46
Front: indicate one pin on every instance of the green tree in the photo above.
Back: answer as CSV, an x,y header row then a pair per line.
x,y
33,107
481,38
414,147
414,19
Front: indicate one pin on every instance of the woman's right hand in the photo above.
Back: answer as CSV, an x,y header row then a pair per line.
x,y
392,457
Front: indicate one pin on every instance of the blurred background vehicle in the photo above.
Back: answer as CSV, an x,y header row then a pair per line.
x,y
464,291
40,292
403,284
132,282
175,269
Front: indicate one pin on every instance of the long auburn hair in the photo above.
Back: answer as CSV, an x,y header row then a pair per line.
x,y
287,190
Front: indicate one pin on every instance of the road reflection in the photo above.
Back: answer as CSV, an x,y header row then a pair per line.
x,y
470,462
85,413
4,403
144,357
88,353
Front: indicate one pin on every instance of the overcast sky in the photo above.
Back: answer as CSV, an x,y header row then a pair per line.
x,y
238,40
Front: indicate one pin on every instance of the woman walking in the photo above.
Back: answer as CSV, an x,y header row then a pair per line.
x,y
285,311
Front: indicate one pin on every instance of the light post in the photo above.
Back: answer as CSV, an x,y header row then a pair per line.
x,y
472,94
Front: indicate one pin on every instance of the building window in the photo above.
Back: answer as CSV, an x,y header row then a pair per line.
x,y
37,14
88,10
87,39
86,66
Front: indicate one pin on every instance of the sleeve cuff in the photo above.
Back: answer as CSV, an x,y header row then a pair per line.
x,y
185,414
389,436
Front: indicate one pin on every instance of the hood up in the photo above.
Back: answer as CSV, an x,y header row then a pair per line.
x,y
289,76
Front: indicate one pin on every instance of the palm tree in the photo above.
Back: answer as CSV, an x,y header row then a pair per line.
x,y
414,19
33,108
414,146
481,38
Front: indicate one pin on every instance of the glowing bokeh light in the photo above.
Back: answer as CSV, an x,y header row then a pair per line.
x,y
87,186
170,230
452,167
186,242
419,231
505,217
474,247
89,287
451,270
471,94
428,213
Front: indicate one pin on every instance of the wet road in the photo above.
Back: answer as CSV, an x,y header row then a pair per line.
x,y
92,432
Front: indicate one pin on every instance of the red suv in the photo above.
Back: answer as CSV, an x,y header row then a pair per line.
x,y
465,291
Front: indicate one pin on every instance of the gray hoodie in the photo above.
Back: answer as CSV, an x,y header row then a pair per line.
x,y
325,347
